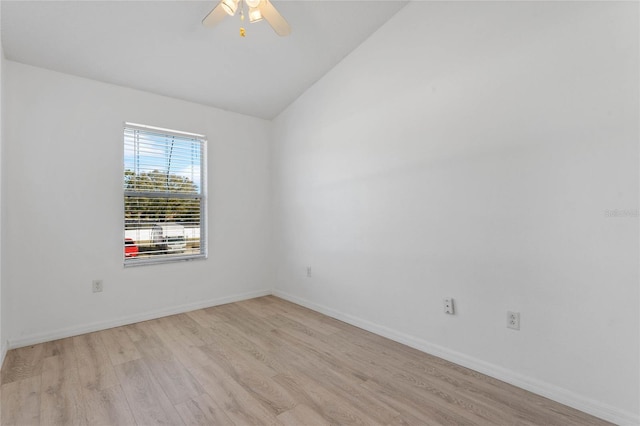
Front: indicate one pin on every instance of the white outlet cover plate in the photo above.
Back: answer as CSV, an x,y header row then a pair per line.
x,y
513,320
448,306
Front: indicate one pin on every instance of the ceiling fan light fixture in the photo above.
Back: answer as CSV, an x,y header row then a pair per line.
x,y
254,14
229,6
257,9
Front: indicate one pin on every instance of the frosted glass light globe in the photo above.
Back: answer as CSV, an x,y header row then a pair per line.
x,y
229,6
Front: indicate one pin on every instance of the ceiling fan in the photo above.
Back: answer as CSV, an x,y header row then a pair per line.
x,y
258,10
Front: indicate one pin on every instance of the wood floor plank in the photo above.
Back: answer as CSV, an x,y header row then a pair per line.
x,y
440,392
282,322
247,372
263,306
23,363
212,312
64,349
182,324
119,345
309,321
61,400
320,352
226,312
231,344
203,318
302,415
445,394
304,312
176,381
499,397
378,362
137,331
350,391
94,366
181,347
246,322
236,402
107,407
488,399
203,410
448,405
321,400
260,361
413,412
148,402
21,402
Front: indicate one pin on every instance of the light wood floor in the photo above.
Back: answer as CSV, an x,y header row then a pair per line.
x,y
261,361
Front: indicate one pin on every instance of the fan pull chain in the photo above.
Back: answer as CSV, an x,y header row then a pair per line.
x,y
243,32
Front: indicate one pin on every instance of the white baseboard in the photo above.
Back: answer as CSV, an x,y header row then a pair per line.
x,y
4,347
563,396
103,325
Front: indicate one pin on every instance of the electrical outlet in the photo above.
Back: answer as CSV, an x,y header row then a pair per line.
x,y
513,320
448,306
308,271
97,286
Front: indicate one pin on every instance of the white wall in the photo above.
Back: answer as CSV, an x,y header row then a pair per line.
x,y
63,152
473,150
3,347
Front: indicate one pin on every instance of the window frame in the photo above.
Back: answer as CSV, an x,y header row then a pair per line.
x,y
202,196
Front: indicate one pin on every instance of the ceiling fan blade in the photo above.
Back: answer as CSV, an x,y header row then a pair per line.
x,y
216,15
273,17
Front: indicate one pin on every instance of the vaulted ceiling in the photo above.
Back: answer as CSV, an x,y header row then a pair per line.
x,y
161,46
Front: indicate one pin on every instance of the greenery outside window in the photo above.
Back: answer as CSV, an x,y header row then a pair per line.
x,y
164,195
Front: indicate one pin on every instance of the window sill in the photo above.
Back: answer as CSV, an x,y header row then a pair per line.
x,y
135,261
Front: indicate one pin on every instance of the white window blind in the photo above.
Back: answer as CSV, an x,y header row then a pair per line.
x,y
164,195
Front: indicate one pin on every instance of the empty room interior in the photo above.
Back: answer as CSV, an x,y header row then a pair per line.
x,y
319,212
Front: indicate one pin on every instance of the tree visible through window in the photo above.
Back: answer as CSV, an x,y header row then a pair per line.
x,y
164,195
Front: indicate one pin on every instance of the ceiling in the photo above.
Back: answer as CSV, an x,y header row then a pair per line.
x,y
161,47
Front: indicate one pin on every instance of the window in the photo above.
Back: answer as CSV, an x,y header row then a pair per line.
x,y
164,195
